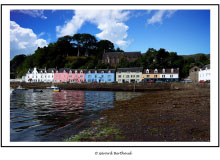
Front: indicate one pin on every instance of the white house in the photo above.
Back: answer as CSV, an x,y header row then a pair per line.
x,y
42,75
129,75
205,73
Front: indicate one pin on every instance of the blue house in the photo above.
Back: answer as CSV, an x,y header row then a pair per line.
x,y
100,75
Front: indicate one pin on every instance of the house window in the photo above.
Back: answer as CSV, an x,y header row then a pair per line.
x,y
81,71
109,76
171,76
109,71
127,76
49,76
163,70
89,72
89,76
155,71
119,80
95,71
119,76
81,76
70,75
102,72
137,76
109,80
155,76
148,76
75,71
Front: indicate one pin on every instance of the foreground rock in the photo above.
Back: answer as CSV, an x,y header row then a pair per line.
x,y
180,115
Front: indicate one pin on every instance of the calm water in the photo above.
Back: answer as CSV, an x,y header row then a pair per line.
x,y
53,116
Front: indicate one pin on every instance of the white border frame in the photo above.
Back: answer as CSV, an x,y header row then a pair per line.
x,y
6,74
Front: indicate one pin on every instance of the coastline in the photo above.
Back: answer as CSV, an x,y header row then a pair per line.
x,y
169,115
114,86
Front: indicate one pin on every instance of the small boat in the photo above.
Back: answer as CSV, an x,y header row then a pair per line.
x,y
37,90
20,88
52,87
57,89
12,90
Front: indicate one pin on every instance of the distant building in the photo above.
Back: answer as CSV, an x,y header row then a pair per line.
x,y
129,75
62,75
194,73
165,75
204,73
40,75
76,75
113,58
100,75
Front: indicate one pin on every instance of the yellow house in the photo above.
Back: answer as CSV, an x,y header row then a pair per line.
x,y
150,73
150,76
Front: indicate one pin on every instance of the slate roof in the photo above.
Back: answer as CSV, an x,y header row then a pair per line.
x,y
49,70
124,54
160,71
78,70
61,70
135,69
206,66
100,70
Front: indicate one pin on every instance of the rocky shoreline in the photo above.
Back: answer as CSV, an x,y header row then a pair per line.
x,y
160,116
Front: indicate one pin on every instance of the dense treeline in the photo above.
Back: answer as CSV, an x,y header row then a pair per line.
x,y
84,51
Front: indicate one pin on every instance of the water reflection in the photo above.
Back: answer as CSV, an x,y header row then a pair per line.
x,y
52,116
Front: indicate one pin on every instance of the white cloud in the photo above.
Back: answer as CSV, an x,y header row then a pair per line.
x,y
23,40
41,34
110,22
159,16
33,13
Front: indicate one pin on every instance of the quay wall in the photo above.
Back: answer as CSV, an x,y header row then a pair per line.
x,y
114,86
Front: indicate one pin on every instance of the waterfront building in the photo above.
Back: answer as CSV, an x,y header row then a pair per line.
x,y
61,75
129,75
39,75
100,75
113,58
76,75
204,73
49,75
165,75
194,73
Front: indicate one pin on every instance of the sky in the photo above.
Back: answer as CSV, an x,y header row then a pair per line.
x,y
182,31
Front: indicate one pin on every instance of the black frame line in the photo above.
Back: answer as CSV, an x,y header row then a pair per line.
x,y
111,5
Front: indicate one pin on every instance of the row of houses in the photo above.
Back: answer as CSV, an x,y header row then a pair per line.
x,y
120,75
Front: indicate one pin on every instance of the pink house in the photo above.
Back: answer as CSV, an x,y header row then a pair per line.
x,y
76,76
69,75
62,75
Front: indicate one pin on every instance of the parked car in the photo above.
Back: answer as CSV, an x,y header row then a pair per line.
x,y
158,81
202,81
150,81
208,81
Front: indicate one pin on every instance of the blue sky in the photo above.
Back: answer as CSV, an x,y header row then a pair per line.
x,y
181,31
